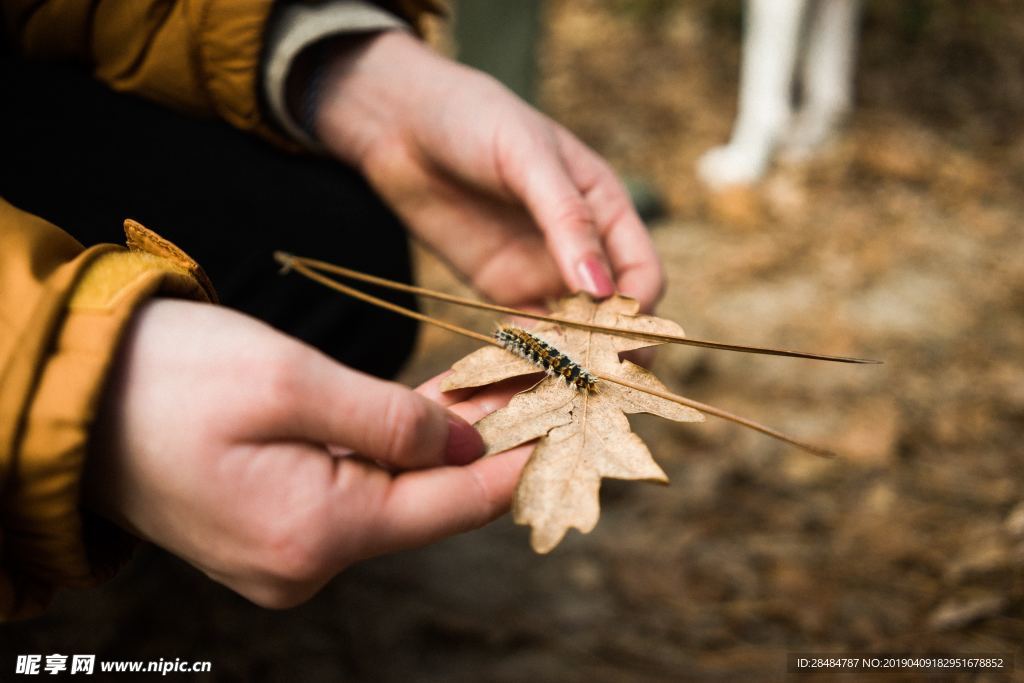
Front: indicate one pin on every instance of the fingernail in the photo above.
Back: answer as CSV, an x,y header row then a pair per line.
x,y
595,277
464,443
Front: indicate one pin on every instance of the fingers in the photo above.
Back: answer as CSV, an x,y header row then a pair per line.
x,y
315,399
534,172
458,499
637,268
431,389
424,506
522,272
491,240
352,509
428,505
586,216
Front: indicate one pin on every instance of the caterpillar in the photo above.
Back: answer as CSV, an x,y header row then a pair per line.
x,y
542,354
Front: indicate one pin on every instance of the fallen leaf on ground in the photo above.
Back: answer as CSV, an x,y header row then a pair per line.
x,y
584,437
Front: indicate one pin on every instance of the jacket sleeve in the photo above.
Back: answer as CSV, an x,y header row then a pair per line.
x,y
201,56
63,309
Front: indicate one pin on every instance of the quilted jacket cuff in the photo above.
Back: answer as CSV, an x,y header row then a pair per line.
x,y
51,542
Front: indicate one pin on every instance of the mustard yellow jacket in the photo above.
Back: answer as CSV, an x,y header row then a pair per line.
x,y
63,306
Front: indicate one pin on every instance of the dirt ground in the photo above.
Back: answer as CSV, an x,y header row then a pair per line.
x,y
901,241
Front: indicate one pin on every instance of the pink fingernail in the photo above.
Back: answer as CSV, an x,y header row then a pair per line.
x,y
595,277
464,443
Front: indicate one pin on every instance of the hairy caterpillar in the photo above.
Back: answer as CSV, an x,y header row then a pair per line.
x,y
542,354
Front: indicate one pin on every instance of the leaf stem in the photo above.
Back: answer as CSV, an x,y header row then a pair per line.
x,y
300,266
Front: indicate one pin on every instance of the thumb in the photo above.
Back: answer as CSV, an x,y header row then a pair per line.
x,y
329,403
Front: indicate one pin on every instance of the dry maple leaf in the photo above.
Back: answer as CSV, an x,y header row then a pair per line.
x,y
583,436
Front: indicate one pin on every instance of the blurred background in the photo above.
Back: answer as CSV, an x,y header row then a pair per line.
x,y
902,240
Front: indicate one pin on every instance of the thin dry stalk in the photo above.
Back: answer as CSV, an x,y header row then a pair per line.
x,y
300,266
472,303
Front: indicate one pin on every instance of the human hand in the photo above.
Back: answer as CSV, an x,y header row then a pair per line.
x,y
510,198
211,444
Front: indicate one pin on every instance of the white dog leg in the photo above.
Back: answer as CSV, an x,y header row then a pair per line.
x,y
770,46
828,72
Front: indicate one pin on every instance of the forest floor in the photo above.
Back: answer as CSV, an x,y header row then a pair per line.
x,y
901,241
